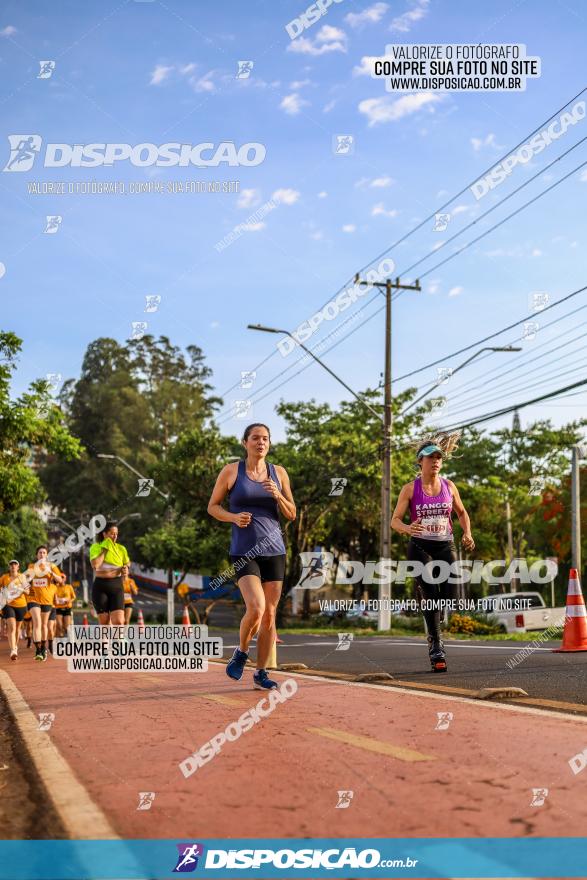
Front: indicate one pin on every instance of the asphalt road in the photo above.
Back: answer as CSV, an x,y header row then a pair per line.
x,y
472,664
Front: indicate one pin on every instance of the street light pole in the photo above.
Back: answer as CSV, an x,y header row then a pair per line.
x,y
131,468
264,329
456,370
170,593
384,611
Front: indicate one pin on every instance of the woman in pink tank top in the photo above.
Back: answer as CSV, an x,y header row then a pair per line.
x,y
431,500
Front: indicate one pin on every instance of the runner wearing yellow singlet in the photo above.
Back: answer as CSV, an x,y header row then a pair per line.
x,y
107,558
14,612
64,599
44,579
130,590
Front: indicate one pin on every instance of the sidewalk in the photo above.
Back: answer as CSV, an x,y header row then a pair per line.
x,y
122,734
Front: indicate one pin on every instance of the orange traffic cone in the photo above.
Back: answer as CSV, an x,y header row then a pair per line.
x,y
85,619
141,621
186,616
575,631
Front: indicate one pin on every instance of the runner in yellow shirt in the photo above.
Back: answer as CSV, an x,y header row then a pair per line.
x,y
130,589
14,612
64,599
44,580
107,558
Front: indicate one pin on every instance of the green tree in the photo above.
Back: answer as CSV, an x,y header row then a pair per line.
x,y
30,426
21,532
131,401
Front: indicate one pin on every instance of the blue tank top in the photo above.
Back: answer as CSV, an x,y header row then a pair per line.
x,y
262,537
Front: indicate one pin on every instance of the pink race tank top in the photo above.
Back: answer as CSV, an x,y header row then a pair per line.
x,y
433,511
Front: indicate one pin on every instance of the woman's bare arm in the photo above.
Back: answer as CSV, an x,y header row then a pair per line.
x,y
223,483
403,502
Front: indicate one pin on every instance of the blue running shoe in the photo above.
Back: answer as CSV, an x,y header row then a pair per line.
x,y
236,664
262,682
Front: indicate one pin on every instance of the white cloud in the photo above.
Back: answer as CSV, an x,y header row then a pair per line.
x,y
330,106
8,31
381,182
187,68
327,34
299,84
583,176
292,104
160,73
328,39
286,196
204,83
488,141
385,109
380,210
366,67
322,195
404,22
371,15
455,291
248,198
349,227
536,252
215,324
318,235
460,209
252,227
433,286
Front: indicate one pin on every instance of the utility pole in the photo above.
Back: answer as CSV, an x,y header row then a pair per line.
x,y
384,614
579,452
508,515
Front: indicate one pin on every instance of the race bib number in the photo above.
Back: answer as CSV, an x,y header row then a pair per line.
x,y
435,526
39,582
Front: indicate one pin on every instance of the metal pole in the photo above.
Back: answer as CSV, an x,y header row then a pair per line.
x,y
575,511
384,612
508,514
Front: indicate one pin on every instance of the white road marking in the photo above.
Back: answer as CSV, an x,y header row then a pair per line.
x,y
432,695
420,644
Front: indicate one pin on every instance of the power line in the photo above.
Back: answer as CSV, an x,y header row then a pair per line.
x,y
493,335
523,405
463,385
465,247
487,400
427,219
517,378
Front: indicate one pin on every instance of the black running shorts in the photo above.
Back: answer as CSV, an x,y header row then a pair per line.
x,y
108,595
44,608
18,613
266,568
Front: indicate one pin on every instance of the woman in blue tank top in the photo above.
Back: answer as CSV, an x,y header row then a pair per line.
x,y
431,500
257,493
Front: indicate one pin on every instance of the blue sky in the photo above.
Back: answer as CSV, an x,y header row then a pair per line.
x,y
159,72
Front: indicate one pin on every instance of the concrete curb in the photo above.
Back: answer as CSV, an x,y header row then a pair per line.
x,y
80,816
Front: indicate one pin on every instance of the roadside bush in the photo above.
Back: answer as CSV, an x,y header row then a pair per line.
x,y
473,625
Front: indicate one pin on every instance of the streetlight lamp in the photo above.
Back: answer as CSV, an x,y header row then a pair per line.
x,y
317,359
134,470
129,516
384,614
456,370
